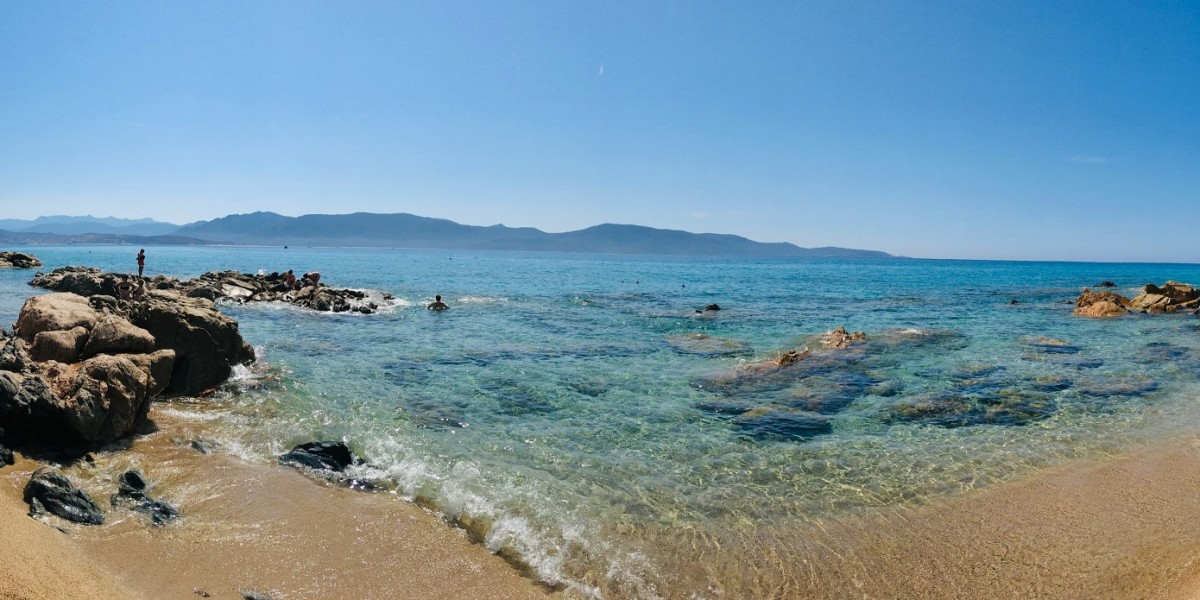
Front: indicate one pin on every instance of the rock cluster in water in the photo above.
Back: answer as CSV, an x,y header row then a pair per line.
x,y
1171,297
86,368
18,260
794,395
214,285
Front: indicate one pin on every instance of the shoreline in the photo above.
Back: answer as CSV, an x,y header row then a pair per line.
x,y
248,527
1117,527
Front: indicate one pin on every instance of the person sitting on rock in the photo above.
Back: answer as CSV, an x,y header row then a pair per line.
x,y
437,304
124,288
140,291
311,278
290,279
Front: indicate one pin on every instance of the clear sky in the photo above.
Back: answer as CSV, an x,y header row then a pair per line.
x,y
1005,129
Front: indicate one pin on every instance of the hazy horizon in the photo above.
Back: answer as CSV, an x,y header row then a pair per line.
x,y
1029,131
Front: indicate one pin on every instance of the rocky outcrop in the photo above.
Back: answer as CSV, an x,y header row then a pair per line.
x,y
49,490
18,260
206,343
232,286
840,338
1171,297
1100,304
81,369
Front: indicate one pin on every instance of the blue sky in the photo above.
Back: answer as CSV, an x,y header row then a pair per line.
x,y
1008,129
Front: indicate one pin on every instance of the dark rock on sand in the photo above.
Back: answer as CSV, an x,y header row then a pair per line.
x,y
131,493
253,595
18,260
322,456
60,497
6,457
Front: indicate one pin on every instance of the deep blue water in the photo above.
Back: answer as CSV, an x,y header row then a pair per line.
x,y
567,401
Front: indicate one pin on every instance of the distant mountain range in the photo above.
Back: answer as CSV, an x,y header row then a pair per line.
x,y
64,225
401,231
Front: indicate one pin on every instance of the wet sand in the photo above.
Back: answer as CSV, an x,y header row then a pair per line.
x,y
1123,527
249,527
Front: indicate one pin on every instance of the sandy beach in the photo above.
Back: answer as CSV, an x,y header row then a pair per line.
x,y
1122,527
245,527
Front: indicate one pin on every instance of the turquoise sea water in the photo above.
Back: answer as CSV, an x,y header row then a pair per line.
x,y
567,407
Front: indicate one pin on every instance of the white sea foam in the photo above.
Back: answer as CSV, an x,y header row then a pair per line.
x,y
481,299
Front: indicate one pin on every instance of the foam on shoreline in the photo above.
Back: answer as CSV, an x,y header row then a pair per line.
x,y
258,527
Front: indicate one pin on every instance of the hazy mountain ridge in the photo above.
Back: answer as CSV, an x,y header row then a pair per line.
x,y
411,231
68,225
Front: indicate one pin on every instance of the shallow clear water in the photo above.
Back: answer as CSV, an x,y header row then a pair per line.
x,y
565,408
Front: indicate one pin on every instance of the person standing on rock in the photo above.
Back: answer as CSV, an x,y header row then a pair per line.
x,y
141,261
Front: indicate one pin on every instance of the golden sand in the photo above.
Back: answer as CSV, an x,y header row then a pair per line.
x,y
263,528
1124,527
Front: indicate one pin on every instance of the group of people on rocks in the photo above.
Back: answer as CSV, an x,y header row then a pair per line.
x,y
128,291
311,278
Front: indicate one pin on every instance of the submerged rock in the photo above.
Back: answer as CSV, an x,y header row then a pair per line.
x,y
1011,407
60,497
706,345
782,425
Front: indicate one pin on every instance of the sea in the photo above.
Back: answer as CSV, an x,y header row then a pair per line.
x,y
587,418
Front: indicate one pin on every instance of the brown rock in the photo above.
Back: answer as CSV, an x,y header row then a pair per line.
x,y
54,312
104,398
1171,297
206,343
62,346
840,338
1100,304
158,367
18,260
115,335
1101,309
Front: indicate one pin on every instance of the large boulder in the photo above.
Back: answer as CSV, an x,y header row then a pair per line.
x,y
115,335
206,343
104,397
1100,304
54,312
64,346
